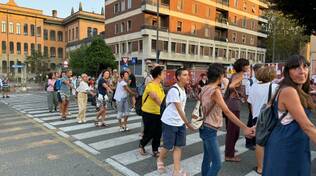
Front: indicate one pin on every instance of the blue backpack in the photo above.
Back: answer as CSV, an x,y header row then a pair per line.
x,y
57,85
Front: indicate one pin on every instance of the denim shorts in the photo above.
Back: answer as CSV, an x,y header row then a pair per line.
x,y
122,108
173,136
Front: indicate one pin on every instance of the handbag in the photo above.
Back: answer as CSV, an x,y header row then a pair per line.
x,y
198,121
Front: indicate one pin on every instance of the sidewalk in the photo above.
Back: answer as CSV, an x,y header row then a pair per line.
x,y
28,149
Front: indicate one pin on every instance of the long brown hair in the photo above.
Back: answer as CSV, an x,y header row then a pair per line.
x,y
295,61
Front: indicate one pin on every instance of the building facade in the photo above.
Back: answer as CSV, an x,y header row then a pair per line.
x,y
24,30
191,32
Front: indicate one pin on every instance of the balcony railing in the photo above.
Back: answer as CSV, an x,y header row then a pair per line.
x,y
221,20
163,3
161,28
220,38
263,30
261,45
224,2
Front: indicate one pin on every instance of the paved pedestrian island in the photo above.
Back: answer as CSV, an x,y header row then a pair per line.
x,y
120,149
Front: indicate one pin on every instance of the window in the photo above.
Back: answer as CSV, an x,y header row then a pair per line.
x,y
18,48
117,48
60,53
244,22
32,30
140,45
4,47
123,48
25,29
234,37
129,47
26,48
153,45
252,41
173,47
253,25
180,5
45,34
193,49
45,51
77,32
3,26
216,52
129,4
11,28
179,26
235,19
18,28
183,48
117,28
195,8
122,27
208,12
95,32
69,34
116,8
165,46
11,48
122,5
207,32
73,33
39,31
129,25
66,35
193,29
32,47
52,52
89,31
245,6
39,48
243,38
60,36
236,3
52,35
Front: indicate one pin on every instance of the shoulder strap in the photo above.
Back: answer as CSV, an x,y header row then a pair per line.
x,y
270,92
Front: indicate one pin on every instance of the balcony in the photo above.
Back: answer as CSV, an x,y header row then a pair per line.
x,y
221,20
163,3
261,44
221,38
161,28
263,30
223,2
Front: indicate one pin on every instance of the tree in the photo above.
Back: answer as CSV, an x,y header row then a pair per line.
x,y
92,59
285,37
303,11
99,56
37,64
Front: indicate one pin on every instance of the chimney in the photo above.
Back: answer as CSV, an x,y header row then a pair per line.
x,y
54,13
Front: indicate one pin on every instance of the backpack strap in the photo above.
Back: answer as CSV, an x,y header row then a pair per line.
x,y
178,91
270,92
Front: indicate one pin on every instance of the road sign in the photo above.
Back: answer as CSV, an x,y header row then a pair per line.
x,y
134,60
17,66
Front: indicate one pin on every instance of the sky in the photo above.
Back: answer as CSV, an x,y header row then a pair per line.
x,y
62,6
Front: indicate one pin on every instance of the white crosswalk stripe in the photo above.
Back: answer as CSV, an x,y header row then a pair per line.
x,y
104,141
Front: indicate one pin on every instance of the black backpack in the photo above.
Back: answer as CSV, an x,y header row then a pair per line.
x,y
267,120
164,105
138,104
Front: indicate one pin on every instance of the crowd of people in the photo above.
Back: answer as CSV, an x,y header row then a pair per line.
x,y
164,118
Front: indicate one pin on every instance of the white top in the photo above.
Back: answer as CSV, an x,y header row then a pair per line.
x,y
0,82
83,87
247,84
171,116
120,92
258,96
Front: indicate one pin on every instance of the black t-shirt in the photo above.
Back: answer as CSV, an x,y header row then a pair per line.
x,y
101,89
133,81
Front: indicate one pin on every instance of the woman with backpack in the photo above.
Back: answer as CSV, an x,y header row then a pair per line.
x,y
51,94
213,105
152,98
260,94
287,151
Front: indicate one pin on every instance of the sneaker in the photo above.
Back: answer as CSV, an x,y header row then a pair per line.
x,y
69,113
79,121
122,129
132,110
126,129
84,121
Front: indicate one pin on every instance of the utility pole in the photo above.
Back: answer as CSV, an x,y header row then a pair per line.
x,y
273,40
157,39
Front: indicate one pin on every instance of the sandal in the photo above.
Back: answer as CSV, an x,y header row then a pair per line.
x,y
63,118
156,154
256,170
98,124
181,173
160,167
233,159
142,151
104,125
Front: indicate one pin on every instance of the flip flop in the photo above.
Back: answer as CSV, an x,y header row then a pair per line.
x,y
256,170
234,159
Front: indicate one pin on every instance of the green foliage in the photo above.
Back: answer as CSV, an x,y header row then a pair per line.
x,y
303,11
289,37
37,64
92,59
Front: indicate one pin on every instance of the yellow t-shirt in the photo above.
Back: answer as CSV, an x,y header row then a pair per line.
x,y
150,106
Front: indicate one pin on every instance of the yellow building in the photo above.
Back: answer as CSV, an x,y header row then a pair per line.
x,y
24,30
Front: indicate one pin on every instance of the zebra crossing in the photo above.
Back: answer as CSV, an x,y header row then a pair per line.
x,y
120,149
